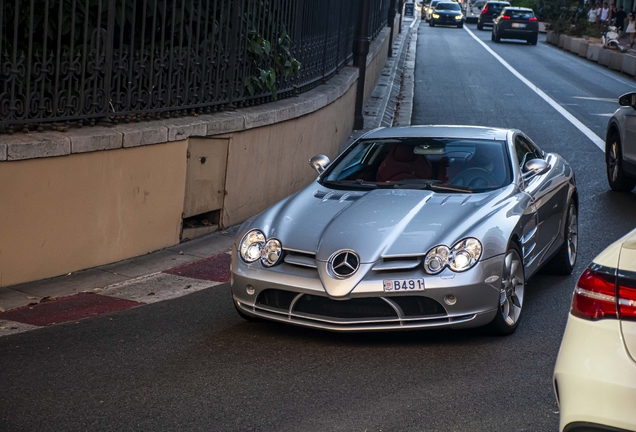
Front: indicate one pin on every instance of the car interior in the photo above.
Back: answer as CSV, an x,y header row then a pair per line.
x,y
473,164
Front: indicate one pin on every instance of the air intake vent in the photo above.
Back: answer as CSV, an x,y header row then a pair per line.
x,y
337,196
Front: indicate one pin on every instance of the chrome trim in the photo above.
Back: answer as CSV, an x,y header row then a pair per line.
x,y
397,265
302,261
300,251
398,310
346,252
531,234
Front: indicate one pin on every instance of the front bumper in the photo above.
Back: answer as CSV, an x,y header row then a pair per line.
x,y
295,295
594,376
447,20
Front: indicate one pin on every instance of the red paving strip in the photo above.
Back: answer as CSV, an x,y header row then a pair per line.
x,y
216,268
71,308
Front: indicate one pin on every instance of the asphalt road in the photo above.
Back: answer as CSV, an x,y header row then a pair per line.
x,y
193,364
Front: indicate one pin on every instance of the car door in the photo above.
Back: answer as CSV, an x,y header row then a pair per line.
x,y
549,195
629,144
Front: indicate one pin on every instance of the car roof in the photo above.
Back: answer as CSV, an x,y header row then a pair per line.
x,y
439,131
498,2
519,8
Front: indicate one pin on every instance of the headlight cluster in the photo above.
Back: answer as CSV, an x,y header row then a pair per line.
x,y
435,16
462,256
255,246
458,17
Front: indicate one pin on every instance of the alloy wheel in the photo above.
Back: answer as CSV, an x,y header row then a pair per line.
x,y
612,161
512,288
572,235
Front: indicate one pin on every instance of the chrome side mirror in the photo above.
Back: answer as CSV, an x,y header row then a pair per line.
x,y
535,167
628,99
319,163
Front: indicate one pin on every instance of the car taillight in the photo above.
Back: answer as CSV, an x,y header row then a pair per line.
x,y
532,19
595,296
505,17
484,10
626,298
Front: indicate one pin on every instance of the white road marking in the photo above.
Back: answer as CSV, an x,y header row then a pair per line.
x,y
565,113
596,99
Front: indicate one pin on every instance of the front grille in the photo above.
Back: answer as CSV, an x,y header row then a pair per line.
x,y
360,308
275,298
413,306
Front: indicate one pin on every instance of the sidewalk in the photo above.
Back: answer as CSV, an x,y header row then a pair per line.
x,y
194,265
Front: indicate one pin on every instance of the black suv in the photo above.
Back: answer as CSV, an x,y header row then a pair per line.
x,y
489,12
516,23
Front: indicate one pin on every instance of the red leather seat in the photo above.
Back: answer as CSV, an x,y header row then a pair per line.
x,y
402,164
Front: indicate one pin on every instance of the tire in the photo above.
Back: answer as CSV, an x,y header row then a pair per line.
x,y
245,316
616,177
564,261
480,26
497,38
513,282
533,40
492,37
430,23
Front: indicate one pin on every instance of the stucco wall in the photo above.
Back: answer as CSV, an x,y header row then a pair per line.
x,y
64,214
269,163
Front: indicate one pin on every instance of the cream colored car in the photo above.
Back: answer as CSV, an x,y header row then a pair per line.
x,y
595,372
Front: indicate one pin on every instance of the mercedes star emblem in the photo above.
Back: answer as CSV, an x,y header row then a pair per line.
x,y
344,263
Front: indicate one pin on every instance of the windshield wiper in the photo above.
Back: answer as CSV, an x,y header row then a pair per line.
x,y
432,186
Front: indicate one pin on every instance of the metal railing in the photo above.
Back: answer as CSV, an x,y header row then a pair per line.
x,y
76,62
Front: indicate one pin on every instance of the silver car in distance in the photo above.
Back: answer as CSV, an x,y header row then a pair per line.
x,y
411,228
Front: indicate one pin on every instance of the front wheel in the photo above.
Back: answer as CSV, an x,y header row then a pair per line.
x,y
513,283
480,26
460,25
430,23
616,177
564,261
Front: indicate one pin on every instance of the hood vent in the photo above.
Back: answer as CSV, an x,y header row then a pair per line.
x,y
337,196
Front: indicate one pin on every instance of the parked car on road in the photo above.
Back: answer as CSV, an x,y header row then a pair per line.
x,y
620,145
595,372
488,13
516,23
447,13
410,228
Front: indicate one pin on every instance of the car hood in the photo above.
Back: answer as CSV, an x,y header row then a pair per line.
x,y
382,223
448,12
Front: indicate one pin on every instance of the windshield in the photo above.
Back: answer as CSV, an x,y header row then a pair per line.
x,y
447,6
518,14
449,164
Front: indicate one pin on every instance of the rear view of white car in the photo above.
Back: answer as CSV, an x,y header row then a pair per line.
x,y
595,372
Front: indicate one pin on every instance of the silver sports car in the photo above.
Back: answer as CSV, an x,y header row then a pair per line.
x,y
411,228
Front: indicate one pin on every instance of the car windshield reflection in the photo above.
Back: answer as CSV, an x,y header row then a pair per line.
x,y
447,6
439,164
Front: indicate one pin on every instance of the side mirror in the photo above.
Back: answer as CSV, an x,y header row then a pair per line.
x,y
628,99
536,167
319,163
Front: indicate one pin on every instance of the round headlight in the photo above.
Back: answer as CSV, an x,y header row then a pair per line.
x,y
251,246
436,259
272,253
465,254
458,17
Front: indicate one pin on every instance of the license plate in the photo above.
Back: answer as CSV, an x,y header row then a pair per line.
x,y
401,285
518,25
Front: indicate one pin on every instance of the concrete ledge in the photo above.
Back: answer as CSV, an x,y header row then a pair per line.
x,y
594,51
3,152
604,57
583,46
561,40
567,42
37,145
575,45
629,65
98,138
616,60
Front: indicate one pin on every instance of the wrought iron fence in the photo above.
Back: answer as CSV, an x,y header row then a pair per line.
x,y
86,61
